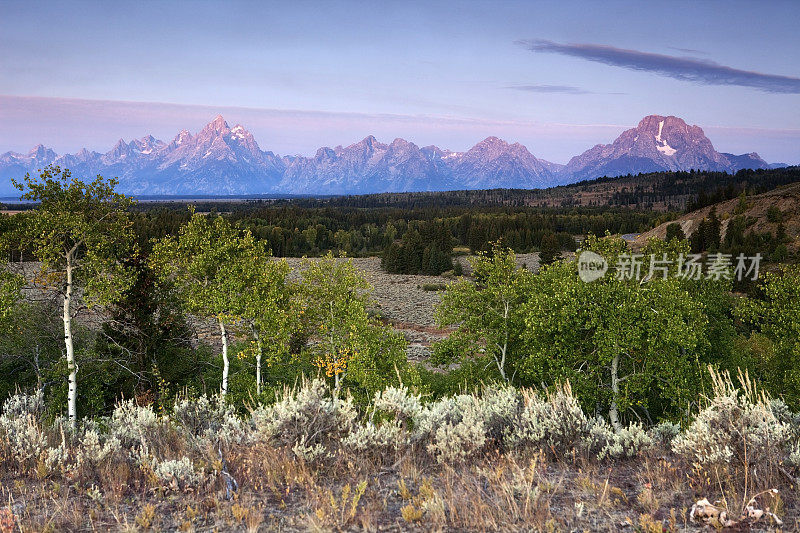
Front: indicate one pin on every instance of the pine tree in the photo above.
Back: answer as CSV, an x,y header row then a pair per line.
x,y
674,231
550,249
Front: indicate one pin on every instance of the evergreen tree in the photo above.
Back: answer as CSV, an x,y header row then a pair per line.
x,y
675,231
550,249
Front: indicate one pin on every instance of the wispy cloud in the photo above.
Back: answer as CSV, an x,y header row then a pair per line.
x,y
553,89
561,89
702,71
692,51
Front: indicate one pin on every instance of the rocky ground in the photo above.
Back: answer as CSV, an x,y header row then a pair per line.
x,y
408,302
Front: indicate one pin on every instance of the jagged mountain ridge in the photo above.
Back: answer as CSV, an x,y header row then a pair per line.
x,y
657,143
221,160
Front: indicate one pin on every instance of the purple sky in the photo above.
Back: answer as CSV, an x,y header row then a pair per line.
x,y
558,77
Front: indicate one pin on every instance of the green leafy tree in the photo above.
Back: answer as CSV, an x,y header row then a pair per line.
x,y
775,313
149,339
31,347
264,301
352,347
620,342
675,231
9,296
204,263
10,284
487,313
78,233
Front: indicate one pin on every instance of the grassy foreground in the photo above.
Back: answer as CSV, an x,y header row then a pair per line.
x,y
499,460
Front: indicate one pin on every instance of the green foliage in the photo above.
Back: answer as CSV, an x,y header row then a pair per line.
x,y
352,348
83,223
79,233
629,349
675,231
775,314
425,251
198,262
550,249
742,205
774,214
263,301
221,272
150,341
30,348
486,312
10,286
624,346
707,235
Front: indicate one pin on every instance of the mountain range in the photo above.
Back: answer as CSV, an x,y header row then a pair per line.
x,y
220,160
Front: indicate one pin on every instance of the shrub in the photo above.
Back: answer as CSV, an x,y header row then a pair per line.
x,y
398,401
133,425
20,405
306,419
556,423
452,429
22,436
737,432
623,443
456,428
433,287
176,473
376,439
208,420
664,433
93,450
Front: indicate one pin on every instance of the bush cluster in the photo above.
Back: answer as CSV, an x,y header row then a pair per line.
x,y
738,429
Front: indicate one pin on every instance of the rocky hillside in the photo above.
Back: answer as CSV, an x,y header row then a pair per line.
x,y
763,211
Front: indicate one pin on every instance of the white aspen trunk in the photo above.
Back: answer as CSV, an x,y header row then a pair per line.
x,y
613,412
336,378
72,395
225,362
259,353
501,364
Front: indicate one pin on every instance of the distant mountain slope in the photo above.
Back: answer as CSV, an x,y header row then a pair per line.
x,y
657,191
220,160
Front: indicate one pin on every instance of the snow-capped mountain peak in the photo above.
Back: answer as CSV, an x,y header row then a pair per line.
x,y
656,143
224,160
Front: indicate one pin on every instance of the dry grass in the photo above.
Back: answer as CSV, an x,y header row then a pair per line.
x,y
526,489
497,493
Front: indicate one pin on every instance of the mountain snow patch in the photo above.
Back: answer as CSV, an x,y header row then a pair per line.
x,y
238,132
666,149
662,145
